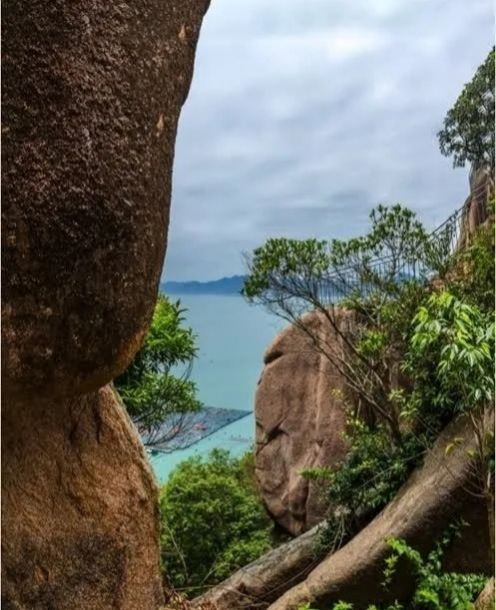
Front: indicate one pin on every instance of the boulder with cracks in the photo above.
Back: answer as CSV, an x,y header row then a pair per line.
x,y
300,422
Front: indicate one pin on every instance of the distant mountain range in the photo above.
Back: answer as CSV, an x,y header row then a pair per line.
x,y
225,285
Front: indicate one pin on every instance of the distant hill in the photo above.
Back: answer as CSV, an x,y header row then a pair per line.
x,y
225,285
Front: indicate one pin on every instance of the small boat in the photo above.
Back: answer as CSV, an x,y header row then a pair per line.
x,y
240,439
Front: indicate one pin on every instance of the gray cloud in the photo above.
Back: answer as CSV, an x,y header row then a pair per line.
x,y
302,115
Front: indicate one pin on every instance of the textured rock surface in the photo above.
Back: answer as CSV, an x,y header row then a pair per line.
x,y
485,601
300,418
91,98
431,499
91,94
475,206
79,515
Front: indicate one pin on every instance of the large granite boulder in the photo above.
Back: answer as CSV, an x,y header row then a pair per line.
x,y
91,94
79,520
91,98
300,420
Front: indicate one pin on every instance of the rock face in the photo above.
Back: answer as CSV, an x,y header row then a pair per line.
x,y
300,419
91,98
485,601
80,527
475,207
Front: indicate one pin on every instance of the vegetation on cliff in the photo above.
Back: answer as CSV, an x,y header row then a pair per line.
x,y
468,129
151,392
414,357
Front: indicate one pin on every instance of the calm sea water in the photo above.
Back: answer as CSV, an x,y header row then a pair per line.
x,y
232,337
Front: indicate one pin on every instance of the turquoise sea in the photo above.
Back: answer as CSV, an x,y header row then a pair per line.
x,y
232,337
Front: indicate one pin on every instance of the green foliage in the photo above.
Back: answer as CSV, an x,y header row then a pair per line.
x,y
468,129
451,363
434,588
395,235
451,356
399,355
280,258
150,392
367,479
386,439
287,271
213,521
380,343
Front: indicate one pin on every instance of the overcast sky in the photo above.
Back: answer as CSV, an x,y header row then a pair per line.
x,y
304,114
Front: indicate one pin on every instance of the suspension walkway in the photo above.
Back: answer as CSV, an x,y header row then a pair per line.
x,y
444,241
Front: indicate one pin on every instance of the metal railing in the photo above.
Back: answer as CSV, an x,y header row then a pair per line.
x,y
443,243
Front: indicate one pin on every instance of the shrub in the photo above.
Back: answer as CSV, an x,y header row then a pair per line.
x,y
451,356
212,520
451,362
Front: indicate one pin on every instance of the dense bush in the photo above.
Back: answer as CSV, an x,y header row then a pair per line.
x,y
451,356
449,359
212,520
451,363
